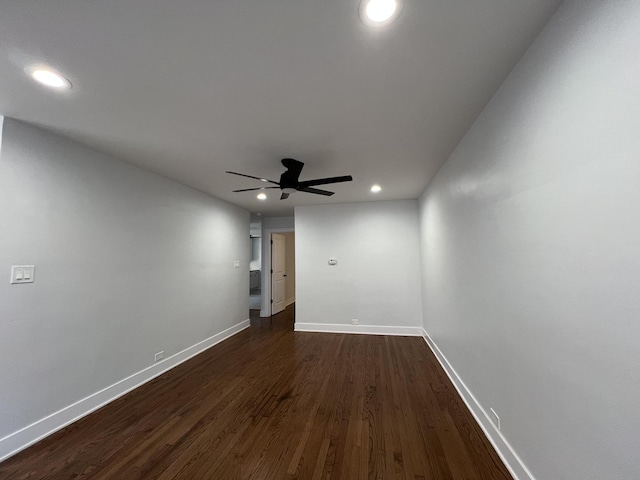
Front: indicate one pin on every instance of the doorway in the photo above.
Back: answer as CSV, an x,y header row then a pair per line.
x,y
255,263
255,276
279,290
278,272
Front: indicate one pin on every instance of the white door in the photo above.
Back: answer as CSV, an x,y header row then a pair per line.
x,y
278,275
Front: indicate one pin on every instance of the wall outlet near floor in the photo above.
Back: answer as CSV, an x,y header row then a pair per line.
x,y
159,356
354,321
495,418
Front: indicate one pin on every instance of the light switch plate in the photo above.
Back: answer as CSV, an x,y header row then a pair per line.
x,y
23,273
236,264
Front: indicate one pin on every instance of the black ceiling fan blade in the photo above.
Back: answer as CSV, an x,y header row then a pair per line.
x,y
294,167
316,191
284,196
325,181
251,176
252,189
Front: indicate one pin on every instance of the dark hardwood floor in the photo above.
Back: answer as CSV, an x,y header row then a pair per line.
x,y
270,403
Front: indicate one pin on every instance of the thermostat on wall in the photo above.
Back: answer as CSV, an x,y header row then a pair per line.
x,y
333,261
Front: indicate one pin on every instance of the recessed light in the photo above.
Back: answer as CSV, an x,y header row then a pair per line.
x,y
376,188
379,12
48,77
261,196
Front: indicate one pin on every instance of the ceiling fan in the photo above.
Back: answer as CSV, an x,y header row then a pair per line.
x,y
289,182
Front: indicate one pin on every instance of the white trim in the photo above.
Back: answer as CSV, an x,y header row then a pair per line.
x,y
289,302
358,329
1,131
509,457
265,310
27,436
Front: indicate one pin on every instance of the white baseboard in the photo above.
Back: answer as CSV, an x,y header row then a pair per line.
x,y
289,302
512,461
359,329
27,436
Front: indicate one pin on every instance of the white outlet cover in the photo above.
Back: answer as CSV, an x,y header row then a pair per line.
x,y
23,274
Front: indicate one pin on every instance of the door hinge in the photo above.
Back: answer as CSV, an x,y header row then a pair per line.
x,y
271,242
272,300
272,270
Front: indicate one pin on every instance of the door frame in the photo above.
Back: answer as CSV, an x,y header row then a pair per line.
x,y
265,310
279,272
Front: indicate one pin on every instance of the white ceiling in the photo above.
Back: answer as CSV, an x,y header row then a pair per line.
x,y
191,88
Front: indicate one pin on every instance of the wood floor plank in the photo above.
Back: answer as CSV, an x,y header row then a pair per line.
x,y
271,403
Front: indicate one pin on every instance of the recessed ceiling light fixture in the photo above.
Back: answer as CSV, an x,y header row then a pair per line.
x,y
261,196
48,77
379,12
376,188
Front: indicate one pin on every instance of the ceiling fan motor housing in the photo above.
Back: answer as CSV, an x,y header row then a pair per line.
x,y
289,179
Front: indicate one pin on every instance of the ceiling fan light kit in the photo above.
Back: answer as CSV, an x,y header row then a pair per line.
x,y
289,181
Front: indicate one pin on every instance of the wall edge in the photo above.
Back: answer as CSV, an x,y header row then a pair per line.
x,y
505,451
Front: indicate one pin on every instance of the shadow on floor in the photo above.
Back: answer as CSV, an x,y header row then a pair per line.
x,y
283,320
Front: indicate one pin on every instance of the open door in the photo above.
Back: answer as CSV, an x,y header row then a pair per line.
x,y
278,274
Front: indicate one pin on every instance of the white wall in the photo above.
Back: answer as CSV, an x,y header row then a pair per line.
x,y
290,267
531,248
283,223
377,278
255,262
127,264
255,225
